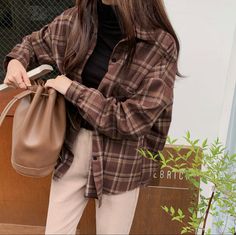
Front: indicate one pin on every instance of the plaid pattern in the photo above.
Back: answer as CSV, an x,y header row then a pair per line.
x,y
131,109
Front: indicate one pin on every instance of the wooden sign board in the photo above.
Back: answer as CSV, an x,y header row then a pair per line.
x,y
24,200
166,189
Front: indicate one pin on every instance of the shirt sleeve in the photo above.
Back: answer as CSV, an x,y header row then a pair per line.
x,y
135,116
34,48
46,45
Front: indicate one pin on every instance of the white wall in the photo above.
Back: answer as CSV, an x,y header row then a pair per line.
x,y
206,31
203,100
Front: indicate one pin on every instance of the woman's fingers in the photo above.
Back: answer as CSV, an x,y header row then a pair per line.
x,y
50,83
10,80
22,85
25,78
9,83
16,75
15,80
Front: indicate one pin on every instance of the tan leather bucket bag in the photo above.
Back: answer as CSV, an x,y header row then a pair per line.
x,y
38,132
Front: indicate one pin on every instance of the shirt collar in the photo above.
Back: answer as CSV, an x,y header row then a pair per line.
x,y
145,35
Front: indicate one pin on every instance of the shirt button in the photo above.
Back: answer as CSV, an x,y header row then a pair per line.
x,y
95,158
113,60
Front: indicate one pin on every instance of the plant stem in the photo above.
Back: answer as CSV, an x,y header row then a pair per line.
x,y
207,211
226,222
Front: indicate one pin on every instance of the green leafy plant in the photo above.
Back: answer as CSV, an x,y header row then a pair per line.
x,y
206,164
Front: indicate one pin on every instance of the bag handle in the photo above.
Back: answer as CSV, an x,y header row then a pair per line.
x,y
39,71
33,75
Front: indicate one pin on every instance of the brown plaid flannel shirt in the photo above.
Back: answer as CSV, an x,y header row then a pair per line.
x,y
129,110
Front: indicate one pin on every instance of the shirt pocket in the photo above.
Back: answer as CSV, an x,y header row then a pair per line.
x,y
122,92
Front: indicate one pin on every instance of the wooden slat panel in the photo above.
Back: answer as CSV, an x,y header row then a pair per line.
x,y
23,200
20,229
5,96
9,229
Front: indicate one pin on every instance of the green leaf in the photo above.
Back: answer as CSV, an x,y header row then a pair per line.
x,y
186,230
180,212
150,154
191,210
172,211
204,180
156,157
204,144
195,142
182,165
208,232
170,155
189,153
176,218
188,134
183,231
170,141
219,224
196,183
232,230
142,152
165,208
178,148
163,160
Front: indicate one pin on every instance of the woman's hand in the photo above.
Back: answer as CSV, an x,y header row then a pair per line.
x,y
16,75
60,83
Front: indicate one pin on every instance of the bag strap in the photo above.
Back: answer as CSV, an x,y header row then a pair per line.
x,y
12,102
33,75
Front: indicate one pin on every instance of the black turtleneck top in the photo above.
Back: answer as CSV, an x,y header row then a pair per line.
x,y
109,34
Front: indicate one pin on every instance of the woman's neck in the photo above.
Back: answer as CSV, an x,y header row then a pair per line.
x,y
107,2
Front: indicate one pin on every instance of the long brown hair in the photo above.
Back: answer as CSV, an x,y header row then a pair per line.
x,y
147,14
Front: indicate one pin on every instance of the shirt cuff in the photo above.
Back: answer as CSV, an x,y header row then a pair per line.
x,y
75,92
12,56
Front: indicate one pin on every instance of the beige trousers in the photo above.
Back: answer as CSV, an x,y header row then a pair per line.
x,y
67,201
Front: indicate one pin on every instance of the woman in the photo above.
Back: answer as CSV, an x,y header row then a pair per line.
x,y
119,63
